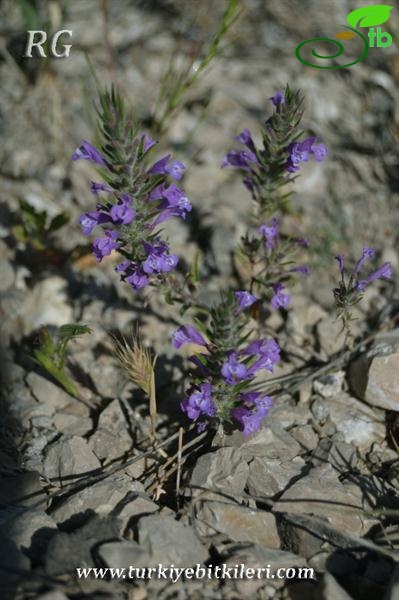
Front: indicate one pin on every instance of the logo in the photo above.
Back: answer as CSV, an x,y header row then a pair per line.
x,y
369,16
41,44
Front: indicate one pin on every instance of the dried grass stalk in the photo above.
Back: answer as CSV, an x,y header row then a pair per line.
x,y
140,367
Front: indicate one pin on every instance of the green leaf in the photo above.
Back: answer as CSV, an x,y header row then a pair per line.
x,y
369,16
58,221
58,375
194,272
71,330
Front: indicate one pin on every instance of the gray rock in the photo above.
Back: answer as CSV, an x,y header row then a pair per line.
x,y
271,441
288,414
67,457
375,378
30,531
104,371
329,385
48,393
239,523
7,275
23,489
123,554
164,536
111,439
392,592
268,477
260,557
223,470
12,559
331,590
305,435
321,493
47,304
67,551
101,498
358,423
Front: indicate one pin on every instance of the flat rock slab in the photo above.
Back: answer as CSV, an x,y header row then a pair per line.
x,y
67,457
271,441
321,493
239,523
375,379
358,423
270,477
166,537
223,470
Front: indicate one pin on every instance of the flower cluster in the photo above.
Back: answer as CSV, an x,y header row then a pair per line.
x,y
226,368
270,257
350,289
134,200
269,168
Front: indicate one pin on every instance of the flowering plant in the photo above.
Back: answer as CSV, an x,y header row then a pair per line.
x,y
225,367
134,199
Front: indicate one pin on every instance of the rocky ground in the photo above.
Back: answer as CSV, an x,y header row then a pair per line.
x,y
80,484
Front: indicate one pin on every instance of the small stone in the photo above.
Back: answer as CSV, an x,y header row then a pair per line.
x,y
223,470
359,424
123,554
375,379
67,457
30,531
271,441
47,304
100,498
306,436
167,537
329,385
321,493
111,439
23,489
7,275
239,523
331,590
67,551
48,393
268,477
256,557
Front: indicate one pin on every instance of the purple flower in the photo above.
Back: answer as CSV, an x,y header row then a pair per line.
x,y
270,233
123,213
303,242
104,246
302,269
268,352
232,370
301,151
175,169
367,254
96,187
341,262
124,266
90,220
89,152
279,300
245,138
250,420
137,279
320,151
241,159
187,334
147,142
278,98
199,403
174,202
245,299
158,261
384,272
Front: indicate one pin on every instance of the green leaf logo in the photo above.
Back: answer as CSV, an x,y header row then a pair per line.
x,y
369,16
